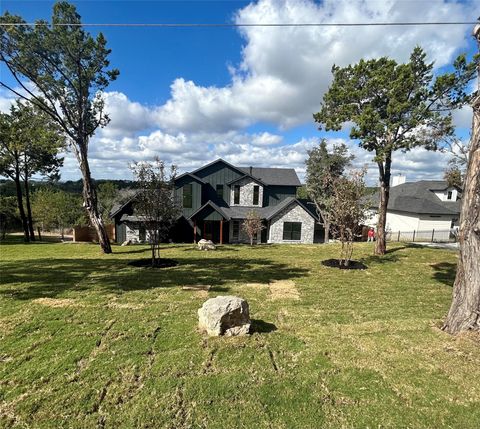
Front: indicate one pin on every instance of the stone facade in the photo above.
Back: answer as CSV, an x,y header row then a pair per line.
x,y
132,233
246,193
292,213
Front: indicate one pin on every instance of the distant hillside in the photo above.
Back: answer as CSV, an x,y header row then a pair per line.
x,y
7,187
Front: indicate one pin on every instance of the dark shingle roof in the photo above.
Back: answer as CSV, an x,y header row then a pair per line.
x,y
274,176
418,197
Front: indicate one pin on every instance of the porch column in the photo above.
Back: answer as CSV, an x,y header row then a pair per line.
x,y
195,231
221,231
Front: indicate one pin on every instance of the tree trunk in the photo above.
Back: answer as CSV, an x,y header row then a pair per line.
x,y
90,198
29,208
326,226
384,170
464,312
21,210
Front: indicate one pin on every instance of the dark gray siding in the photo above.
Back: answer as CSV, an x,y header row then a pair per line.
x,y
196,194
272,195
220,174
120,232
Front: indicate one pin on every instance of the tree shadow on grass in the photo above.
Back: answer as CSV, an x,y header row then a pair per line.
x,y
445,272
48,278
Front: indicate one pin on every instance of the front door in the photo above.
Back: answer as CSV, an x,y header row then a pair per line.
x,y
211,230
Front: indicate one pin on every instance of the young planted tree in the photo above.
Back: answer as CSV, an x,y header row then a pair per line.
x,y
29,145
348,211
67,71
323,167
464,313
252,225
155,205
394,107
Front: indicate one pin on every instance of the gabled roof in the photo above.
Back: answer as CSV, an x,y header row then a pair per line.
x,y
244,177
271,211
210,203
268,176
190,175
126,195
419,197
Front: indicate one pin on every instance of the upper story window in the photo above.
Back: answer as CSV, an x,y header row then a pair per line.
x,y
219,189
236,194
256,195
449,195
187,196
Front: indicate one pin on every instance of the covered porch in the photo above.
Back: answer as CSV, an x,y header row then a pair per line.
x,y
210,222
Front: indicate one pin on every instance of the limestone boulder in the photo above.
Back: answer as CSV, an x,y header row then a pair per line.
x,y
224,315
206,245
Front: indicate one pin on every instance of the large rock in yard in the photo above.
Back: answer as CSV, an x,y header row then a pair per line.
x,y
206,245
224,315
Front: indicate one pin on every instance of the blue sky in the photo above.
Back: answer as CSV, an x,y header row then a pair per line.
x,y
191,95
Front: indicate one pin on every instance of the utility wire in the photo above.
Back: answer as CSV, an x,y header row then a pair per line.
x,y
219,25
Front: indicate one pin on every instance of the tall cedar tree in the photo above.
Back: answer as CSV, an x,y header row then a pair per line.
x,y
68,69
155,205
323,167
29,143
464,313
394,107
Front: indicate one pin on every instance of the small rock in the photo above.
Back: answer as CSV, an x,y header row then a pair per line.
x,y
206,245
224,315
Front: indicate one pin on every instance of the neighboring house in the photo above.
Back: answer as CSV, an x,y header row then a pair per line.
x,y
216,199
420,206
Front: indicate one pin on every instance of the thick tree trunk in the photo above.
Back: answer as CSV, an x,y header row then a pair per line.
x,y
464,312
90,198
381,239
21,210
29,208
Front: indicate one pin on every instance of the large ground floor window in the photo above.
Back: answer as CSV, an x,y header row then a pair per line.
x,y
292,230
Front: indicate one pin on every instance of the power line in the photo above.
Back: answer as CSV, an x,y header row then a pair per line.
x,y
220,25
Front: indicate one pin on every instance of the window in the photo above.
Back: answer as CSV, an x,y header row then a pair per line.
x,y
236,194
292,230
256,194
236,229
220,191
187,196
449,195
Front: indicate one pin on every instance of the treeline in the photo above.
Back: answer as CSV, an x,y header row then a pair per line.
x,y
7,186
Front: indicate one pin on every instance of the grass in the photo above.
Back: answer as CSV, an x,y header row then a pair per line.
x,y
88,341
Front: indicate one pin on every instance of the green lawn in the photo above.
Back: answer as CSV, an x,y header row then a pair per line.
x,y
89,341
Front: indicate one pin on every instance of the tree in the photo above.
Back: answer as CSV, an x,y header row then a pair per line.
x,y
68,70
29,144
394,107
348,211
464,313
107,195
453,175
155,205
8,215
323,167
252,225
55,209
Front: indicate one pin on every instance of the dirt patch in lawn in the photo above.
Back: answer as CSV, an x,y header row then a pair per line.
x,y
201,291
125,306
256,285
57,302
283,289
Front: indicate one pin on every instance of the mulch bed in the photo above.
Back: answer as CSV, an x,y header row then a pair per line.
x,y
353,265
147,263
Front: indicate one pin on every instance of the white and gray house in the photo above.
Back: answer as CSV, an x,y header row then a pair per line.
x,y
216,199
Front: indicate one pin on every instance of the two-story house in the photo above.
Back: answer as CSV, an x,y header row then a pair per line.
x,y
217,197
